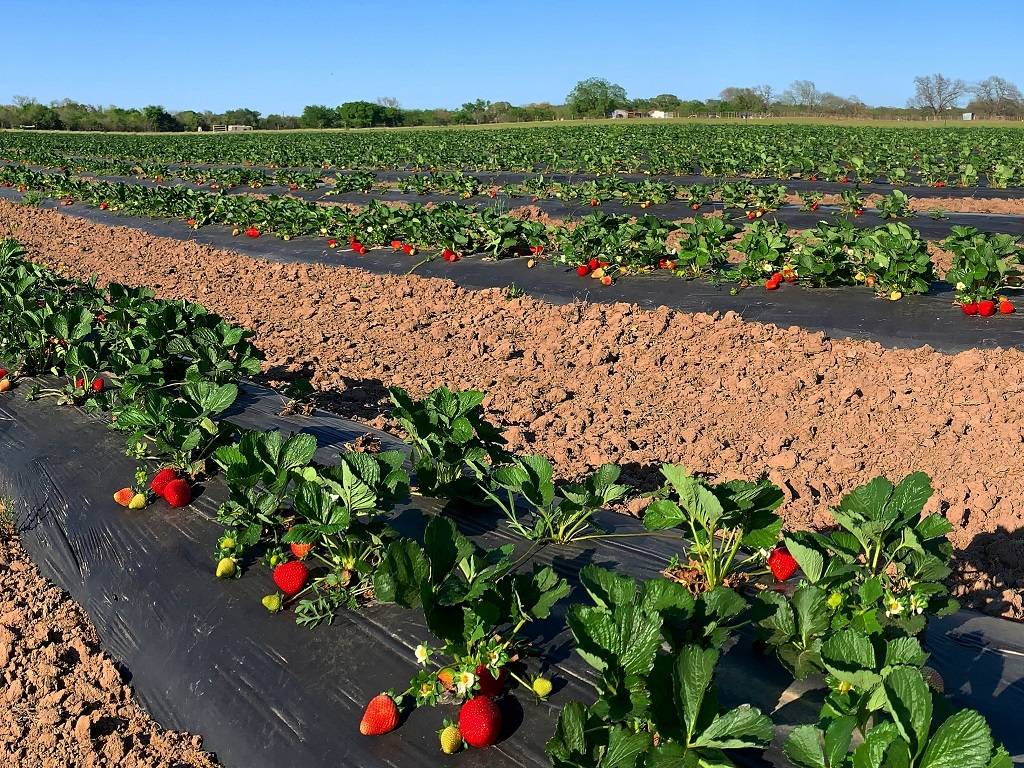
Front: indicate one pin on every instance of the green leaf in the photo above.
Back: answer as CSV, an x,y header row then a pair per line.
x,y
298,451
910,496
963,741
624,747
803,748
910,703
661,514
694,670
737,729
398,577
811,561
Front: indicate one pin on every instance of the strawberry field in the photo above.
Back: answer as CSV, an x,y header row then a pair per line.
x,y
531,608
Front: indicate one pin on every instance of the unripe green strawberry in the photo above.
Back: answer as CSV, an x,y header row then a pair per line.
x,y
226,568
272,602
451,739
542,687
138,501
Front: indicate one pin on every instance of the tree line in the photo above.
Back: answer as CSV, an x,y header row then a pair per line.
x,y
934,95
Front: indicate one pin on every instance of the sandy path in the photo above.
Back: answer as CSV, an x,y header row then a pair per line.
x,y
587,383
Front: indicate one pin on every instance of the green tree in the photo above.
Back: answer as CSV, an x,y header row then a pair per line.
x,y
360,114
156,118
595,97
318,116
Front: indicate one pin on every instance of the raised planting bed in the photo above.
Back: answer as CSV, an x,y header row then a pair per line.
x,y
843,312
203,655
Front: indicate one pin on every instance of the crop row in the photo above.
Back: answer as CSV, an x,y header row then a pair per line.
x,y
854,617
740,194
891,259
898,155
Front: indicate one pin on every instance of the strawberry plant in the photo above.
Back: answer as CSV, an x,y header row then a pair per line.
x,y
895,205
701,246
885,569
560,516
898,259
719,521
904,724
475,603
767,248
655,706
983,264
453,444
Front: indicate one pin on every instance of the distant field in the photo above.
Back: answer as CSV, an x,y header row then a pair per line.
x,y
922,153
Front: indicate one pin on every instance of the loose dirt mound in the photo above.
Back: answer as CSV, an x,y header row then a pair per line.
x,y
586,383
64,702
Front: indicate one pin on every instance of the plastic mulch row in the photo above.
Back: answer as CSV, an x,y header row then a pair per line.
x,y
204,655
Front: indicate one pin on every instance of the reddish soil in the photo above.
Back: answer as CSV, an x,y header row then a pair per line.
x,y
588,383
1011,207
64,702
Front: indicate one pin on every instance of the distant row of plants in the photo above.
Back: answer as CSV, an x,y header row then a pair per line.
x,y
891,259
904,155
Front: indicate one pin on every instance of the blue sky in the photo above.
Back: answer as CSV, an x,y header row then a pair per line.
x,y
278,56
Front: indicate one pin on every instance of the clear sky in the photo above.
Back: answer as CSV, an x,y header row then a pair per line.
x,y
279,55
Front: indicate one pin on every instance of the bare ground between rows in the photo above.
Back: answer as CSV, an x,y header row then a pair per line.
x,y
65,701
587,383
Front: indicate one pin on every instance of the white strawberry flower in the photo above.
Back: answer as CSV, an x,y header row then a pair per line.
x,y
422,654
960,286
464,682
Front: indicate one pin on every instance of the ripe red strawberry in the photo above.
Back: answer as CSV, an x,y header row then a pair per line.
x,y
252,232
490,685
300,550
97,385
583,270
380,717
814,206
986,308
104,206
161,479
859,212
408,249
782,564
1005,308
361,250
751,215
332,243
449,255
593,264
480,722
396,244
291,577
773,282
3,373
593,202
79,383
177,493
695,207
536,250
969,308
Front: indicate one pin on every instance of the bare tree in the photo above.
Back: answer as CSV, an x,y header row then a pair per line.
x,y
389,101
997,96
802,93
937,92
765,93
